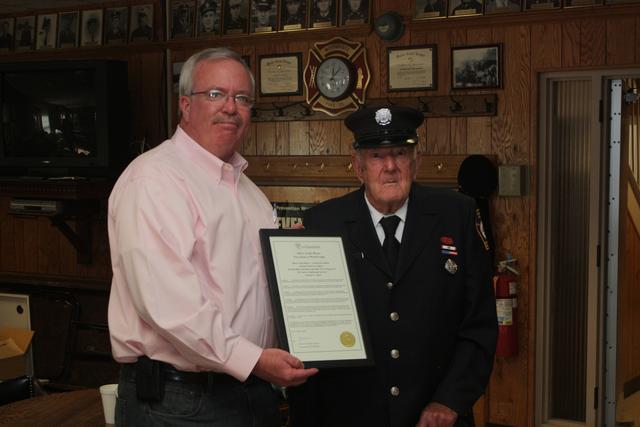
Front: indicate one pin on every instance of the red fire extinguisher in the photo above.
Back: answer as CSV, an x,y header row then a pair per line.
x,y
506,289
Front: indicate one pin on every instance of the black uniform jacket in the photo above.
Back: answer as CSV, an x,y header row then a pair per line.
x,y
445,333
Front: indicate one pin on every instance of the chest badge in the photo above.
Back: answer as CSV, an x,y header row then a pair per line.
x,y
451,266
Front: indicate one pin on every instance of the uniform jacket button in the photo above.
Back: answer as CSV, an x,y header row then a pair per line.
x,y
395,354
394,316
395,391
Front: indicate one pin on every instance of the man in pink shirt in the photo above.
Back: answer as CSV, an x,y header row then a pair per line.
x,y
189,314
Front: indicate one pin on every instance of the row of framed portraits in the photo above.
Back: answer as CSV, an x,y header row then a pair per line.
x,y
429,9
203,18
95,27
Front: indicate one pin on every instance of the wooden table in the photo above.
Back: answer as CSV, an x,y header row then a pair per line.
x,y
82,408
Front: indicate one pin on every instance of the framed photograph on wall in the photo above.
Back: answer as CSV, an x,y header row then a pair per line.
x,y
502,6
6,34
116,25
322,13
354,12
68,29
429,9
91,28
264,14
182,19
293,15
46,31
141,26
25,33
412,68
541,4
208,18
280,75
476,67
236,16
465,7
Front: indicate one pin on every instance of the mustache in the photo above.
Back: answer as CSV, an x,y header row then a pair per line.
x,y
235,120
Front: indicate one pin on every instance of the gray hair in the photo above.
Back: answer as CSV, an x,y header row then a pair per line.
x,y
211,54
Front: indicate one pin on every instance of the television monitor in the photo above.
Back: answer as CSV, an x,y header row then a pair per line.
x,y
64,118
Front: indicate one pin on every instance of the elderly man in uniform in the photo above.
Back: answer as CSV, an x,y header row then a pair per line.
x,y
422,264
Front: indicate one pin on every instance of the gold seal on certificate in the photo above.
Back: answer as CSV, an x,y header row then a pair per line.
x,y
347,339
314,298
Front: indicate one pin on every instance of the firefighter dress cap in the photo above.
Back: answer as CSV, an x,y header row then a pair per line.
x,y
380,127
264,4
208,6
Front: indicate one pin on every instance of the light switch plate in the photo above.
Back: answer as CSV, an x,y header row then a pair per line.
x,y
511,180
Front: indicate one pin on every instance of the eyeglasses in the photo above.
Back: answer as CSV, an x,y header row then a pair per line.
x,y
219,96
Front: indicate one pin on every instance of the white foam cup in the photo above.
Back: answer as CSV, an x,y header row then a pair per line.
x,y
109,393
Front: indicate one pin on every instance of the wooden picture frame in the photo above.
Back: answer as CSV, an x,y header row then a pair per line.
x,y
412,68
116,25
429,9
465,7
91,34
502,6
68,29
7,34
280,75
541,4
355,12
323,13
141,23
293,15
46,31
264,16
208,18
181,19
235,19
25,33
476,67
569,4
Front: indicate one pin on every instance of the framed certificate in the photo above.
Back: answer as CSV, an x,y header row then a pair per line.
x,y
412,68
280,74
315,298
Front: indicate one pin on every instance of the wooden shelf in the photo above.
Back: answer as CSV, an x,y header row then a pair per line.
x,y
41,188
338,170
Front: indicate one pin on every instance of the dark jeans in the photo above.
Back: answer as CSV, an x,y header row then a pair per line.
x,y
216,404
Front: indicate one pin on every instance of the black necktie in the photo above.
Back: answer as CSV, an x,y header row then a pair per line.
x,y
391,246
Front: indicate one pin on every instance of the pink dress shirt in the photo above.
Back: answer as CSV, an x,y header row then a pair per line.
x,y
189,286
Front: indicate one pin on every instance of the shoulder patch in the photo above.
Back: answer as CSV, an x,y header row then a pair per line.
x,y
480,231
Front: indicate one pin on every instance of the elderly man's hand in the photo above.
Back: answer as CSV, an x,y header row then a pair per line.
x,y
281,368
437,415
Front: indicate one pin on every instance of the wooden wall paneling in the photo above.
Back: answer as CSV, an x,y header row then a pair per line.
x,y
479,135
301,46
152,89
346,139
282,138
636,44
546,43
458,135
267,143
299,138
30,249
374,46
570,44
7,237
324,137
629,301
249,145
438,137
618,32
68,258
303,194
422,137
593,42
48,249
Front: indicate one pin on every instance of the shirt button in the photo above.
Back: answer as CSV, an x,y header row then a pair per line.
x,y
227,166
394,316
395,354
395,391
389,285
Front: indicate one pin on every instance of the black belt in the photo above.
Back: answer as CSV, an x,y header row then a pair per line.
x,y
169,373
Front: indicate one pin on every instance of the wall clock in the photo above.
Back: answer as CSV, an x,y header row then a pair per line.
x,y
336,76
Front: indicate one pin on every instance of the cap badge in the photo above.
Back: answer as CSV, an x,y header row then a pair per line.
x,y
383,116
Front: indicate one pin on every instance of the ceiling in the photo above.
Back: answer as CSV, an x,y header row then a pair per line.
x,y
19,6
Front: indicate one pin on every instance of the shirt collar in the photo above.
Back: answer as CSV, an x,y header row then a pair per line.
x,y
228,172
376,216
